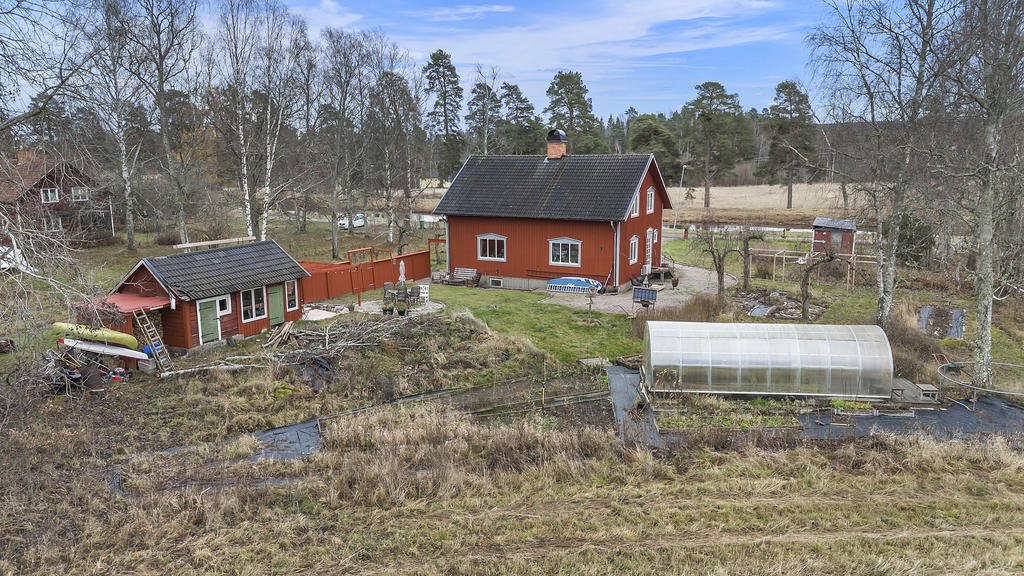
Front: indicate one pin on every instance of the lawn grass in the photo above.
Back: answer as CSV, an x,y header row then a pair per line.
x,y
559,330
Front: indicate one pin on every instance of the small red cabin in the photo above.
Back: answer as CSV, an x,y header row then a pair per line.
x,y
520,221
837,236
196,298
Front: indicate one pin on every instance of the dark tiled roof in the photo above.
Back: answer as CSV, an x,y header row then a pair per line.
x,y
571,188
207,273
835,223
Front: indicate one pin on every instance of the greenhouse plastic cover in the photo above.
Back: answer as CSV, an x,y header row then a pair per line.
x,y
768,359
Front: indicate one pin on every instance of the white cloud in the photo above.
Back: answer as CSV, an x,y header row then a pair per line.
x,y
459,13
327,13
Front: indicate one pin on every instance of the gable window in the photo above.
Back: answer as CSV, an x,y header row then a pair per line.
x,y
564,252
635,210
490,247
650,200
79,193
634,249
291,295
50,195
254,304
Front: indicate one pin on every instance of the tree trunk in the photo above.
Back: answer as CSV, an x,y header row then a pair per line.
x,y
789,188
126,177
984,275
246,199
707,175
846,196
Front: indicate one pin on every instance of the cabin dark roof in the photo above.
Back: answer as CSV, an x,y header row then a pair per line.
x,y
208,273
834,223
569,188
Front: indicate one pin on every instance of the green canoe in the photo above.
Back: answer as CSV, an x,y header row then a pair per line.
x,y
105,335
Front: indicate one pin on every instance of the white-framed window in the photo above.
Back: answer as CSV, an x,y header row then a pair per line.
x,y
650,200
291,295
49,195
634,249
254,304
635,210
223,305
490,247
655,236
79,194
564,252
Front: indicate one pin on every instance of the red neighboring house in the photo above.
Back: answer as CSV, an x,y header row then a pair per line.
x,y
39,193
200,297
523,220
839,236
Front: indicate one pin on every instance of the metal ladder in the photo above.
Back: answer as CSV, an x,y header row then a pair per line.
x,y
151,337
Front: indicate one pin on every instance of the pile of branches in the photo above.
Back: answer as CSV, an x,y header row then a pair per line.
x,y
337,336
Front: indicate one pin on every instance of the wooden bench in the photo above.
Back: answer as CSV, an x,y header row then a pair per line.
x,y
463,277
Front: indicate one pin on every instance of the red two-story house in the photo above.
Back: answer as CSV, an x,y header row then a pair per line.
x,y
523,220
53,195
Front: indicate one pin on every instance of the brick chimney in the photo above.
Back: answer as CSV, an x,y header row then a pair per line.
x,y
556,144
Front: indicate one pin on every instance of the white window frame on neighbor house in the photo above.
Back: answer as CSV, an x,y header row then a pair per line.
x,y
295,287
570,242
650,200
49,195
252,296
199,317
79,194
496,238
634,249
635,210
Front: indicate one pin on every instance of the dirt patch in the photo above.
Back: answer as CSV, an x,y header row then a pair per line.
x,y
779,304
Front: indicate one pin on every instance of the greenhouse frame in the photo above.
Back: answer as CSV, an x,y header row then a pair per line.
x,y
767,359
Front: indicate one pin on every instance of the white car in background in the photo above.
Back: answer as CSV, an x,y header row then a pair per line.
x,y
358,221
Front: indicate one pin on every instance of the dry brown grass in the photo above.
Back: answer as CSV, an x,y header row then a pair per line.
x,y
415,490
701,307
912,348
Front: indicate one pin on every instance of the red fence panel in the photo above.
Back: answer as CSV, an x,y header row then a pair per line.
x,y
331,279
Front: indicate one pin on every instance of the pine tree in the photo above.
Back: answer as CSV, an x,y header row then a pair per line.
x,y
723,134
571,110
790,125
523,132
484,112
648,135
443,83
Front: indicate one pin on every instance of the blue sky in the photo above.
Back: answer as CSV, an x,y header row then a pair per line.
x,y
647,54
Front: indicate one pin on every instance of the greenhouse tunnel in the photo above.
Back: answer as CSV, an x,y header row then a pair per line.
x,y
767,359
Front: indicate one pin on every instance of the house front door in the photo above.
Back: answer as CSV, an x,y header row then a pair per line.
x,y
209,324
275,304
649,253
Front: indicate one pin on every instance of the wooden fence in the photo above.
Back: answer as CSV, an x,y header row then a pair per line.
x,y
331,279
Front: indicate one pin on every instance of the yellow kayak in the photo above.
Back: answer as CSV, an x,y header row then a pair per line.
x,y
93,334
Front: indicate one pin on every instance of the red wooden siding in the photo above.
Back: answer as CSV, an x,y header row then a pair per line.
x,y
180,325
330,279
526,246
823,238
638,226
143,283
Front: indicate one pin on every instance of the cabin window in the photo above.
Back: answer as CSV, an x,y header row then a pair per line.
x,y
836,240
634,249
79,193
291,295
650,200
635,210
254,304
223,306
50,195
564,252
490,247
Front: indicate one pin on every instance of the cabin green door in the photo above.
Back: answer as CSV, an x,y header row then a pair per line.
x,y
209,325
275,297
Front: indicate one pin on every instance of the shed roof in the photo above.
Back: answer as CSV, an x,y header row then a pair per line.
x,y
208,273
834,223
599,187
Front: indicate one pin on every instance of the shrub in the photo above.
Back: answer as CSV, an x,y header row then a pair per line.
x,y
912,350
168,237
762,268
700,308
